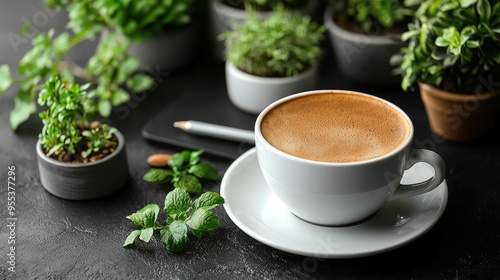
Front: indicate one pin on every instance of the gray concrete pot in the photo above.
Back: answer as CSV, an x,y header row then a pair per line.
x,y
362,57
83,181
168,51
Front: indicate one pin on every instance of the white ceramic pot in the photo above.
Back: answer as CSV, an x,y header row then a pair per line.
x,y
362,57
252,93
221,16
81,181
168,51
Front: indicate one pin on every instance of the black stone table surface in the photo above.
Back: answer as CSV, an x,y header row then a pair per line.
x,y
60,239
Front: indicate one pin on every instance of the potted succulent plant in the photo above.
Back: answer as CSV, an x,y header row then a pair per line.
x,y
111,70
270,58
364,34
77,159
223,13
453,55
163,33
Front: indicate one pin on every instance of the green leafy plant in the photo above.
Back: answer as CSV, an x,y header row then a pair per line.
x,y
136,19
66,133
265,4
108,71
183,213
98,139
143,19
184,171
372,16
451,44
285,44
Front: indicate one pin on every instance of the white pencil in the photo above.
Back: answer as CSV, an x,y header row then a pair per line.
x,y
216,131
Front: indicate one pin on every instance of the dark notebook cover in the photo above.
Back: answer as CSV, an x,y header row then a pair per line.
x,y
211,106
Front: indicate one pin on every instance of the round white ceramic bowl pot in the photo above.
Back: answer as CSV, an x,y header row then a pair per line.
x,y
252,93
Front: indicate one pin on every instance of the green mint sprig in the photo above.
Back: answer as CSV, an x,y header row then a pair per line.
x,y
184,170
183,213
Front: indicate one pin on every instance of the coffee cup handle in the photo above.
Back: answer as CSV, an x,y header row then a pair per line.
x,y
430,157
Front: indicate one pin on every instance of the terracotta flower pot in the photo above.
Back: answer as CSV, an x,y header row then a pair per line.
x,y
81,181
460,117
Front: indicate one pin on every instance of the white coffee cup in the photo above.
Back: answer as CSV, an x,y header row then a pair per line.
x,y
341,193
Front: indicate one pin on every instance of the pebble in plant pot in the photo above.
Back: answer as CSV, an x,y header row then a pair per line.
x,y
223,13
77,160
268,59
364,35
453,56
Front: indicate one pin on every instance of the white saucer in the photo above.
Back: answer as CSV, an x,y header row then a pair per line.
x,y
259,213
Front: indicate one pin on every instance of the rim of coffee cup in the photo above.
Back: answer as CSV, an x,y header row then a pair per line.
x,y
260,138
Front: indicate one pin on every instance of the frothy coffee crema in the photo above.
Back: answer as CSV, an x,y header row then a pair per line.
x,y
335,127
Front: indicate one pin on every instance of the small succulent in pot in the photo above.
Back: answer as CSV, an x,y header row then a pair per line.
x,y
67,134
283,45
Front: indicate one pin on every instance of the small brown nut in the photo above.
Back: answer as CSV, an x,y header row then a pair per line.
x,y
158,160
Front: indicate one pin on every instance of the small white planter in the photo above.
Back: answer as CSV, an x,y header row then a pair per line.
x,y
221,16
361,57
81,181
168,51
253,93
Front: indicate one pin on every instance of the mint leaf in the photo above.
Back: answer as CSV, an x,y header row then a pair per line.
x,y
189,183
177,160
197,233
205,171
184,171
208,201
146,234
140,82
104,107
174,237
182,217
157,175
146,216
202,220
119,97
194,158
177,201
127,68
5,78
61,44
184,174
131,237
149,218
170,219
23,108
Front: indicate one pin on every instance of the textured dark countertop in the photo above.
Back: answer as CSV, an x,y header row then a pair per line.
x,y
59,239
